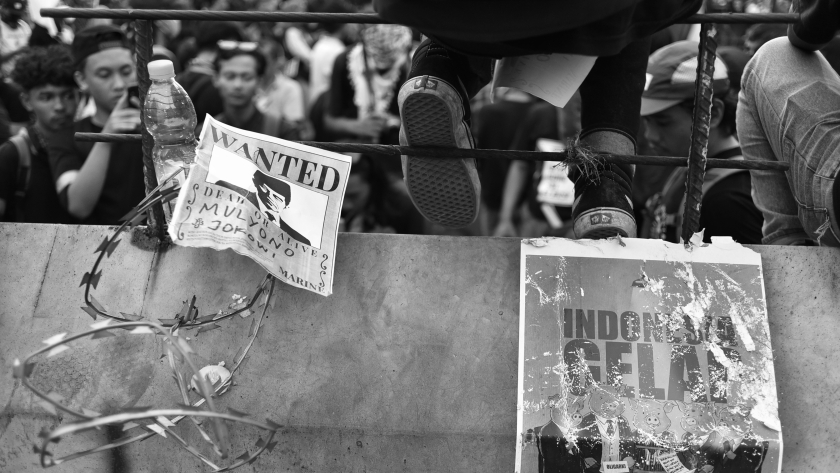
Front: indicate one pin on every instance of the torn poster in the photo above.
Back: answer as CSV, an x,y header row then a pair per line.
x,y
633,353
273,200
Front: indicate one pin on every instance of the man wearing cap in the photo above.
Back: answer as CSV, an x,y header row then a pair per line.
x,y
667,103
99,183
197,79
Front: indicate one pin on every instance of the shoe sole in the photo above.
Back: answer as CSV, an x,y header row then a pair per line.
x,y
445,191
604,222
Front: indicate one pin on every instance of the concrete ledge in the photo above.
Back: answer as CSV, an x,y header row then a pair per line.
x,y
409,366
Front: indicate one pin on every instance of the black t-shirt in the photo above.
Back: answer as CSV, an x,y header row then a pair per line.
x,y
40,203
495,126
341,90
123,188
542,122
340,104
204,95
728,209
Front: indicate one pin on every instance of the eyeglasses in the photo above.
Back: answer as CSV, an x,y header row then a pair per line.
x,y
244,46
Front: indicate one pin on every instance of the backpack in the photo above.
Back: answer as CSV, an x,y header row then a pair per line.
x,y
25,150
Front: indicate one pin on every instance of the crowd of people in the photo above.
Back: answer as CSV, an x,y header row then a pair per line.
x,y
350,83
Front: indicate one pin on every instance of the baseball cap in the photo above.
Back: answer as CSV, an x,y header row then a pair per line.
x,y
97,38
670,76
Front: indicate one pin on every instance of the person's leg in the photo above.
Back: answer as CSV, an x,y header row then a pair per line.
x,y
434,108
789,110
611,102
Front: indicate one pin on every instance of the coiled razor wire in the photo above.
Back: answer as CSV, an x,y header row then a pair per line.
x,y
178,350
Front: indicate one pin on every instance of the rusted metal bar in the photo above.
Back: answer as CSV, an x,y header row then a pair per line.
x,y
701,122
366,18
144,42
444,153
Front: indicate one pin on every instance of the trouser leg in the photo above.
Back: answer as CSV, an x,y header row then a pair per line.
x,y
789,111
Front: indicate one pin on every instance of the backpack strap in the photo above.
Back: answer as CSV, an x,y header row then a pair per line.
x,y
23,145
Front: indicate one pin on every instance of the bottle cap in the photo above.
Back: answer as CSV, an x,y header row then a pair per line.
x,y
161,69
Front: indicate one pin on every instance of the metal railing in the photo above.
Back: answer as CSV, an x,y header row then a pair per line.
x,y
697,160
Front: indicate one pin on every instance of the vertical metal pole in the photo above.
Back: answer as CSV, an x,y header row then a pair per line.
x,y
143,45
702,117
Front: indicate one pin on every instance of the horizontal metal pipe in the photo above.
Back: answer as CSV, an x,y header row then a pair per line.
x,y
392,150
368,18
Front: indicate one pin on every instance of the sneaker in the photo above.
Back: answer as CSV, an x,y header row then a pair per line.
x,y
602,206
445,191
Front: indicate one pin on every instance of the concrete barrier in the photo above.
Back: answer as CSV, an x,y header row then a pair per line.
x,y
409,366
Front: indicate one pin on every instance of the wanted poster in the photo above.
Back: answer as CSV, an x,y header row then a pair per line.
x,y
275,201
641,355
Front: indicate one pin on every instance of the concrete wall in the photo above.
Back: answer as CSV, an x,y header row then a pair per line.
x,y
409,366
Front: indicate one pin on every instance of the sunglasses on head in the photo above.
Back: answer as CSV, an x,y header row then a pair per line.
x,y
244,46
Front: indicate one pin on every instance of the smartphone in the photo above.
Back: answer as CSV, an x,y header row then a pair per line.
x,y
134,93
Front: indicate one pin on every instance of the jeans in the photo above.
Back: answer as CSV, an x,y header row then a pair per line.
x,y
789,111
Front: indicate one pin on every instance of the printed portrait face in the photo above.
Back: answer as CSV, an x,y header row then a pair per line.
x,y
274,196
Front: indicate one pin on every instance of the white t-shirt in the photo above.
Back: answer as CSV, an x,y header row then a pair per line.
x,y
320,68
284,97
13,39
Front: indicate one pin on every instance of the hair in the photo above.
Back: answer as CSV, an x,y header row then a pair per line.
x,y
764,32
41,66
330,6
258,56
209,34
259,179
730,107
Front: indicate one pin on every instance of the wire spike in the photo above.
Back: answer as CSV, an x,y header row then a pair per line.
x,y
55,339
102,334
58,349
90,311
102,246
112,247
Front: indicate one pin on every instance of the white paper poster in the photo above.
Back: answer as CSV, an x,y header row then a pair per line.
x,y
642,355
275,201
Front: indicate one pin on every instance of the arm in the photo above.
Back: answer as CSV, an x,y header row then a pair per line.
x,y
297,44
340,99
517,176
85,186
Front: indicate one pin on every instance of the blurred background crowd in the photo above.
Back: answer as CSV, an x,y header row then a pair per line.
x,y
338,82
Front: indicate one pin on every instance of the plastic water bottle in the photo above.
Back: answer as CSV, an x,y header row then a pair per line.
x,y
170,118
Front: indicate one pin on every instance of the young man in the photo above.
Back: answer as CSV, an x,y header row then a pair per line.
x,y
455,63
667,102
99,183
197,79
788,111
50,93
239,68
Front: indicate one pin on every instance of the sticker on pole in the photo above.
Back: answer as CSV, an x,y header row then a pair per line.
x,y
643,355
273,200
